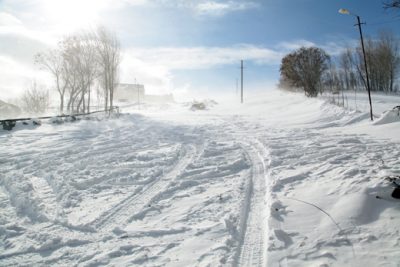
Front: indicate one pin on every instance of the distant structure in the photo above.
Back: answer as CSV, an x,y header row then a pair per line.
x,y
9,111
159,98
126,92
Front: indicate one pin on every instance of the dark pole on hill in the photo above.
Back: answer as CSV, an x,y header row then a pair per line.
x,y
241,82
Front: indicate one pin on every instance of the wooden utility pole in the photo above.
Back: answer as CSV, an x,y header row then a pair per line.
x,y
347,12
366,67
241,81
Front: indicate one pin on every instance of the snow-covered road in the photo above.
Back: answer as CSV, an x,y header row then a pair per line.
x,y
281,181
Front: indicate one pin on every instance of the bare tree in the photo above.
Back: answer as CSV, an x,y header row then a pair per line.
x,y
91,67
345,62
86,67
383,61
53,61
349,69
35,100
331,78
109,57
79,53
388,52
71,56
392,4
80,62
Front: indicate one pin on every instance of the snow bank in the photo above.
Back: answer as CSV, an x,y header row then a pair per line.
x,y
389,116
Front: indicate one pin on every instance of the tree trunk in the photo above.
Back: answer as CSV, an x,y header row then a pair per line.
x,y
88,105
61,103
106,100
111,95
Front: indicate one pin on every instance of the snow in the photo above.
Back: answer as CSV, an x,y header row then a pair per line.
x,y
389,116
358,100
281,180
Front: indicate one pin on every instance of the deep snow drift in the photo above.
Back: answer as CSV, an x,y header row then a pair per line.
x,y
279,181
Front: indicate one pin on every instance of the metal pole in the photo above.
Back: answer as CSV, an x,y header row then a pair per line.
x,y
241,81
366,67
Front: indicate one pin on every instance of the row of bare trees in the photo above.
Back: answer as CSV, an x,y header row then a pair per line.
x,y
35,99
81,63
383,59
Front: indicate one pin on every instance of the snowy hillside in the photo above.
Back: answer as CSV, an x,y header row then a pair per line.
x,y
279,181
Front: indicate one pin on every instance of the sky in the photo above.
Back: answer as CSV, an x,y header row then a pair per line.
x,y
184,47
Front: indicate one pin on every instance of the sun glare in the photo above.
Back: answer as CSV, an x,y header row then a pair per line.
x,y
70,15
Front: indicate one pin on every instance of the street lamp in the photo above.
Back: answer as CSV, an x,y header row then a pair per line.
x,y
347,12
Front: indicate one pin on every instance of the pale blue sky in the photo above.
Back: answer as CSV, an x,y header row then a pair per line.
x,y
186,45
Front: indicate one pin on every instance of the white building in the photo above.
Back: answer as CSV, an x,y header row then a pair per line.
x,y
126,92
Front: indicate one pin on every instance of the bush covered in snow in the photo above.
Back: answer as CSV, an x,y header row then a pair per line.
x,y
203,105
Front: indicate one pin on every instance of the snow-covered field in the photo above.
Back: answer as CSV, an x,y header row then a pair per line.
x,y
279,181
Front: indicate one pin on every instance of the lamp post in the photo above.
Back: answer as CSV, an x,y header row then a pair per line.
x,y
347,12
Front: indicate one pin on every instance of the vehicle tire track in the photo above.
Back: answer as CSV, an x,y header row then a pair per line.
x,y
120,214
251,251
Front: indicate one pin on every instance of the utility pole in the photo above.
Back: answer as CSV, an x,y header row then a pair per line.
x,y
241,81
366,67
347,12
237,86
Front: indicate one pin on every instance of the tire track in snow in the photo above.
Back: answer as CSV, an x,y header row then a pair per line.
x,y
251,251
119,215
